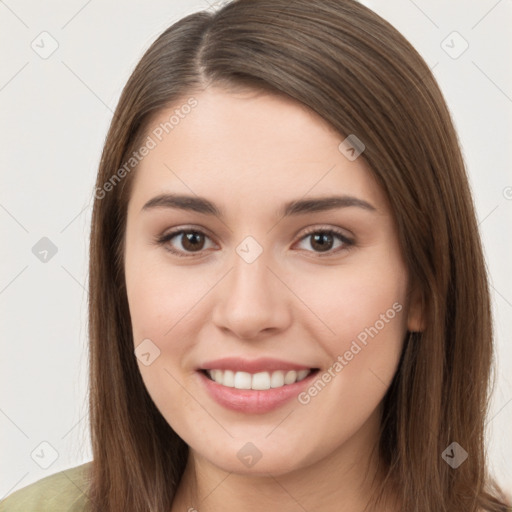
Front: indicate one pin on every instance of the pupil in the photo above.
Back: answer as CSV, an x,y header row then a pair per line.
x,y
191,240
322,245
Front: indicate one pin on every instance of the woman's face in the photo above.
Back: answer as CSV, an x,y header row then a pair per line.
x,y
278,294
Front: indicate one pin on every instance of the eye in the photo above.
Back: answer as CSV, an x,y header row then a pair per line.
x,y
192,240
322,240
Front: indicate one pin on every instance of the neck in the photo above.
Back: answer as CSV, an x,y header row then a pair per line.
x,y
341,482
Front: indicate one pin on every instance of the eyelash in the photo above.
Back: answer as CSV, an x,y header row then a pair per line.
x,y
347,242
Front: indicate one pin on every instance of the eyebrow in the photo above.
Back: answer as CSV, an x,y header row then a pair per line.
x,y
296,207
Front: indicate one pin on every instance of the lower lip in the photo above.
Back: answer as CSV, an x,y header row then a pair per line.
x,y
252,401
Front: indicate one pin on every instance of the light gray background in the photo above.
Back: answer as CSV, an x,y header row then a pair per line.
x,y
55,112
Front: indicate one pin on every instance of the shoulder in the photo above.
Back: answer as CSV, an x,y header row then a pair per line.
x,y
62,491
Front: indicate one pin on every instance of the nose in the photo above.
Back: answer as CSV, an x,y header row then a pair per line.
x,y
252,300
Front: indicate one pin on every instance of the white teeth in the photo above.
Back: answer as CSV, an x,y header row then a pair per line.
x,y
277,379
242,379
228,379
290,377
261,381
302,374
258,381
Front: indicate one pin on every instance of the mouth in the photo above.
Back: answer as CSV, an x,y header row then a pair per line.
x,y
254,386
259,381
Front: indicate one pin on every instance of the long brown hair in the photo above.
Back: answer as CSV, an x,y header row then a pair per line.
x,y
356,71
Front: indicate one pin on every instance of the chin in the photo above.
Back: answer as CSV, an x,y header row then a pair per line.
x,y
258,457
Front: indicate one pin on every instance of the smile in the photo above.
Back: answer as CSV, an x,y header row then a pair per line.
x,y
258,381
254,386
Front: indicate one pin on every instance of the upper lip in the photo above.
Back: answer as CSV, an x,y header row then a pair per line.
x,y
251,365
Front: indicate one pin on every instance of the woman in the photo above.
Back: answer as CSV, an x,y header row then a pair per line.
x,y
281,315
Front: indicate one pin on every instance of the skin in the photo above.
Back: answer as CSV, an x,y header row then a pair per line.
x,y
249,153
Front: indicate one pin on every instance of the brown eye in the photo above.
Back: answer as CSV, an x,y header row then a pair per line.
x,y
192,240
323,241
183,241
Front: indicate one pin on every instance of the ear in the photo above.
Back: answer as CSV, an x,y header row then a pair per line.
x,y
416,311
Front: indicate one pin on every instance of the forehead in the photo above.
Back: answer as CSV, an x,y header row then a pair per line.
x,y
250,145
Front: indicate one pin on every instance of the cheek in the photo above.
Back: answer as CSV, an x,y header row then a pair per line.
x,y
153,307
163,303
160,301
362,328
357,303
370,318
158,295
363,312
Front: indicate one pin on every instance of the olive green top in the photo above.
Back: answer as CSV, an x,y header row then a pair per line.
x,y
65,491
